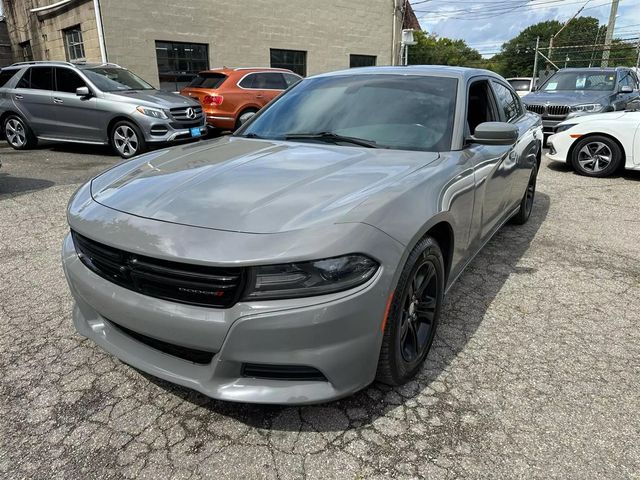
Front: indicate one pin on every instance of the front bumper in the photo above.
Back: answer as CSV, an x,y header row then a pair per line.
x,y
337,334
166,131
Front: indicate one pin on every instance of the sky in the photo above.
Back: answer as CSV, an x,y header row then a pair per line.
x,y
486,24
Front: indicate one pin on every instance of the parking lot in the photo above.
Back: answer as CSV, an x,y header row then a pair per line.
x,y
534,372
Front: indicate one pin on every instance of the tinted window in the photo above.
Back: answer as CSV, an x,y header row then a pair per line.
x,y
507,102
291,79
520,85
362,61
294,60
604,81
6,75
39,78
208,80
68,81
269,81
418,111
635,80
112,79
247,82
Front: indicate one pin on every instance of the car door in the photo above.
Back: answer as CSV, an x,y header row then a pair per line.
x,y
524,153
492,164
78,118
32,98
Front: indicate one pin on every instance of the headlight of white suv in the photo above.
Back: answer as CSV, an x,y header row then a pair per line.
x,y
588,108
152,112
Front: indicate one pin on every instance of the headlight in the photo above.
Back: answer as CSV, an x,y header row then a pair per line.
x,y
306,279
588,108
562,128
152,112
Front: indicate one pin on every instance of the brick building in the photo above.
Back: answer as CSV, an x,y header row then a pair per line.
x,y
167,42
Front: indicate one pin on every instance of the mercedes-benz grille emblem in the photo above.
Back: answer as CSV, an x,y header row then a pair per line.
x,y
191,113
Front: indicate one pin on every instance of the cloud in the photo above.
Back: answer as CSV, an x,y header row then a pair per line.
x,y
488,34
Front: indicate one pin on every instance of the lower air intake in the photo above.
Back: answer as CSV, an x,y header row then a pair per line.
x,y
282,372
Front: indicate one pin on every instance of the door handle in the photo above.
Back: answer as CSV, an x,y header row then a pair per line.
x,y
18,97
57,100
259,96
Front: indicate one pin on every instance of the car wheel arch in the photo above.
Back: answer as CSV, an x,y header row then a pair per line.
x,y
597,134
117,119
441,229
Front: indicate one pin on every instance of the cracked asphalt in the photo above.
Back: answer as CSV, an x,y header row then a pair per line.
x,y
534,373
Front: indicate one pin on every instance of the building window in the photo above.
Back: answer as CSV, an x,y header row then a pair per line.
x,y
294,60
26,52
362,61
73,43
179,63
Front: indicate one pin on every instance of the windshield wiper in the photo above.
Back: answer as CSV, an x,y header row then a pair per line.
x,y
331,137
250,135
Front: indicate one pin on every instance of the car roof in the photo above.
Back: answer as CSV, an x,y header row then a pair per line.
x,y
463,73
519,78
244,70
591,69
55,63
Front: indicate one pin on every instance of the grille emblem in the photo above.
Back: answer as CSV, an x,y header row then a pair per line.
x,y
191,113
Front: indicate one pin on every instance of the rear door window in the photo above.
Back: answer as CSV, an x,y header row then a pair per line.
x,y
507,101
269,81
208,80
68,81
41,78
6,75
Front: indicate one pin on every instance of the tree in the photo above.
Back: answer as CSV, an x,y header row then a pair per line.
x,y
578,45
434,50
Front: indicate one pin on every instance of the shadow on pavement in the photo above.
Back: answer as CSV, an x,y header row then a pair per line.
x,y
633,175
19,185
481,282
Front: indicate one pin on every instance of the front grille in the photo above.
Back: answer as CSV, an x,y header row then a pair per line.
x,y
179,126
558,110
190,354
282,372
549,110
178,282
539,109
181,114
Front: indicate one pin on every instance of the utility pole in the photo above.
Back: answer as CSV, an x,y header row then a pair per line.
x,y
610,27
535,63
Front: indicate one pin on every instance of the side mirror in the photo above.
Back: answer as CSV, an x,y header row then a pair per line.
x,y
83,92
495,133
626,89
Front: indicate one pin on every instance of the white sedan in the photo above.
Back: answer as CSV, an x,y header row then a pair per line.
x,y
598,145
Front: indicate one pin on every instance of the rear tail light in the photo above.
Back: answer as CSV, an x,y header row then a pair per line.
x,y
212,100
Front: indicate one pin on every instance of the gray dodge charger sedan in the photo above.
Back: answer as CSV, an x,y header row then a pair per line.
x,y
308,254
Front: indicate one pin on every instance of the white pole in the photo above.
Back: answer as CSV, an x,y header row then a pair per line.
x,y
610,27
103,46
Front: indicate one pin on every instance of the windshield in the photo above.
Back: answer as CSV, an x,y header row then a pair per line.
x,y
581,81
404,112
112,79
520,85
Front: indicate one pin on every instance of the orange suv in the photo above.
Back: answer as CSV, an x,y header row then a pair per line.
x,y
231,96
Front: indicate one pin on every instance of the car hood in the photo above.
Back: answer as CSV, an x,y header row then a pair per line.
x,y
565,97
253,186
154,98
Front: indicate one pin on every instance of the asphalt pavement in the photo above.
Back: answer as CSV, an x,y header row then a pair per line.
x,y
534,373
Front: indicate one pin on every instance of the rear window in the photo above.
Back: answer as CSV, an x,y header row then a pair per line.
x,y
208,80
6,75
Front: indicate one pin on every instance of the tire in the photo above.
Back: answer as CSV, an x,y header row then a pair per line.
x,y
412,318
127,139
18,134
596,156
526,204
245,116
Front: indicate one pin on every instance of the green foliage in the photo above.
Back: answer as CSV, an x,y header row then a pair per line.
x,y
433,50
